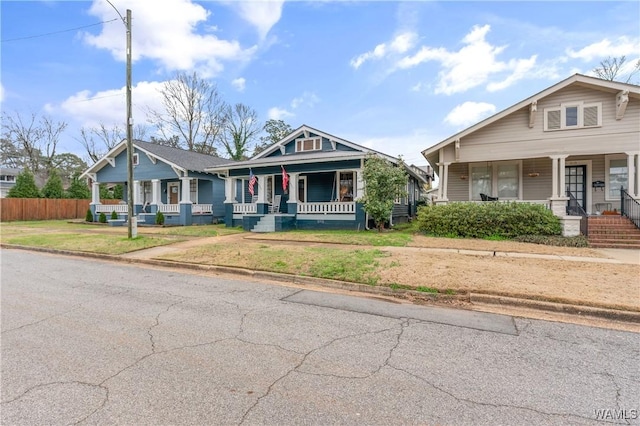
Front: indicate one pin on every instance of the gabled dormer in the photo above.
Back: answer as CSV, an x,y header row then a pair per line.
x,y
306,140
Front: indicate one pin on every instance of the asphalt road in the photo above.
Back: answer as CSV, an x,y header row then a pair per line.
x,y
90,342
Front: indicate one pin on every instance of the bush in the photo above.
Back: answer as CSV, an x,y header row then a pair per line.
x,y
483,220
554,240
89,216
25,186
114,215
102,218
159,218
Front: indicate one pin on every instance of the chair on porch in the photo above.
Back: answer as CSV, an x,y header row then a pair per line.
x,y
275,207
485,197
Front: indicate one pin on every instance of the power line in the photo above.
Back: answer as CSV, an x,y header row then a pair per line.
x,y
58,32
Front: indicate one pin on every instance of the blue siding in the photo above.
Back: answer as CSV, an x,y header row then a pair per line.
x,y
327,146
299,168
206,192
145,170
321,187
218,197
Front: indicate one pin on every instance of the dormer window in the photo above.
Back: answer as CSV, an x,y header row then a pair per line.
x,y
573,116
135,159
308,144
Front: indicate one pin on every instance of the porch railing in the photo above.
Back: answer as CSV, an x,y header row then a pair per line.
x,y
202,208
245,208
169,208
575,209
108,208
327,208
629,207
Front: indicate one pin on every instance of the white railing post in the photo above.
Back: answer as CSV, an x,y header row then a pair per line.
x,y
186,190
95,193
155,191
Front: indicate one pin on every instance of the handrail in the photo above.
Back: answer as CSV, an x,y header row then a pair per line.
x,y
629,207
575,209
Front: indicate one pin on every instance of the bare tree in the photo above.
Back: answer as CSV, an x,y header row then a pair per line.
x,y
241,127
36,138
276,130
193,111
613,69
97,141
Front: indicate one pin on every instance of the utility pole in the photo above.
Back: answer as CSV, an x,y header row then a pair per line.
x,y
133,227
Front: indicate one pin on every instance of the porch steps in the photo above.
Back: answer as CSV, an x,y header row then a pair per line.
x,y
613,232
266,223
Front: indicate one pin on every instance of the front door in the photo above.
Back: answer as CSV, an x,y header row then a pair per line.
x,y
174,192
576,182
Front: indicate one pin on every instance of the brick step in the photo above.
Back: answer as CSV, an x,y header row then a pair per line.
x,y
621,229
615,245
605,231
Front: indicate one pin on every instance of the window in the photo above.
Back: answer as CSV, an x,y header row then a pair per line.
x,y
499,179
193,190
617,175
573,116
146,192
135,159
308,144
346,186
7,178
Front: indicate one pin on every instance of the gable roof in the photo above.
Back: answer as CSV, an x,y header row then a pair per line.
x,y
175,157
577,79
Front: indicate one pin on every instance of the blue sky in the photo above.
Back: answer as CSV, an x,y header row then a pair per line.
x,y
394,76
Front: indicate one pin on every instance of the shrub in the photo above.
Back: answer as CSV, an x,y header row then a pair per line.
x,y
114,215
484,220
53,188
102,218
25,186
89,216
159,218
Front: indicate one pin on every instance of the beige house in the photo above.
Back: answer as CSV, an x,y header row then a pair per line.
x,y
579,139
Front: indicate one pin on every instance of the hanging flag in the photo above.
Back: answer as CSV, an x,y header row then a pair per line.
x,y
285,180
252,181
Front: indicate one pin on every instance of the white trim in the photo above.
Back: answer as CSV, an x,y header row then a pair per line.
x,y
580,111
353,184
607,166
169,186
304,179
135,159
300,143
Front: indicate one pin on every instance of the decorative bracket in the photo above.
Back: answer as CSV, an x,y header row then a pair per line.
x,y
532,113
282,149
151,158
111,161
622,99
457,146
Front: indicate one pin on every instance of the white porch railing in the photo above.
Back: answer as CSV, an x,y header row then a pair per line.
x,y
169,208
245,208
108,208
327,208
202,209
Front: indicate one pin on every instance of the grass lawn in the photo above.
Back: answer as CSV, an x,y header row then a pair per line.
x,y
388,238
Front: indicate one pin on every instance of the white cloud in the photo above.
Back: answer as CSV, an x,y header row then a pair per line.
x,y
263,15
400,44
239,84
471,66
276,113
165,32
469,113
109,106
308,99
623,46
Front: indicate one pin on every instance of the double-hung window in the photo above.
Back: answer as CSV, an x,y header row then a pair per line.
x,y
193,190
498,179
617,175
308,144
573,116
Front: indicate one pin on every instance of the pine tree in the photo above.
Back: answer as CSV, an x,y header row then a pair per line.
x,y
78,189
25,186
53,188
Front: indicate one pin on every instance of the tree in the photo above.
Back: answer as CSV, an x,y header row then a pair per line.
x,y
53,187
10,155
614,69
97,141
276,130
25,186
79,189
240,129
193,113
68,165
384,182
35,138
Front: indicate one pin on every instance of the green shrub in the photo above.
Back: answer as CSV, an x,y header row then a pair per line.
x,y
89,216
554,240
487,220
102,218
159,218
114,215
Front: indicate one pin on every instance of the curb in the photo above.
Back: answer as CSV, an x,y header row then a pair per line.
x,y
415,296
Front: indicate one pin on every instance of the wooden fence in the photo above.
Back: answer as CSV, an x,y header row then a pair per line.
x,y
12,209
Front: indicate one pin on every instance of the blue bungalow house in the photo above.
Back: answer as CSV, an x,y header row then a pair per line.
x,y
170,180
308,180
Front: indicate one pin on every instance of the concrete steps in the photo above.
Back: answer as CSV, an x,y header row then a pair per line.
x,y
266,223
613,232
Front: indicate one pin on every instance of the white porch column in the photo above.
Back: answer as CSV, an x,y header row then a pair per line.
x,y
155,191
95,193
229,193
293,187
186,190
440,176
554,177
561,175
359,185
445,182
631,170
262,189
136,192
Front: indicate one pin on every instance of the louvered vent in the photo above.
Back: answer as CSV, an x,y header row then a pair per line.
x,y
590,116
553,120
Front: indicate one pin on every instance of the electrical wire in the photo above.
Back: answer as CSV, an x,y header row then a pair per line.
x,y
58,32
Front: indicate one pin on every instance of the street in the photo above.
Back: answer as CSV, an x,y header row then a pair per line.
x,y
90,342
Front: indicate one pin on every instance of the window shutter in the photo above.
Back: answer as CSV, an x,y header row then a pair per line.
x,y
553,119
590,117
